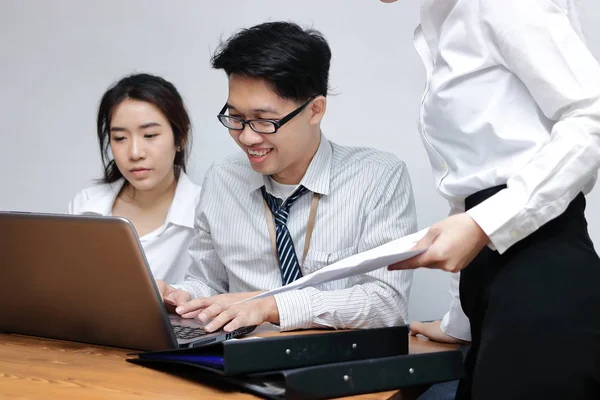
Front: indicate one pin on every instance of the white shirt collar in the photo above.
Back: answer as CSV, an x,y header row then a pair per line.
x,y
182,211
317,176
183,207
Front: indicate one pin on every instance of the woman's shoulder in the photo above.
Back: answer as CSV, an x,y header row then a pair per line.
x,y
95,199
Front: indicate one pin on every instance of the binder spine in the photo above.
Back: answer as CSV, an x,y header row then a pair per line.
x,y
367,376
258,355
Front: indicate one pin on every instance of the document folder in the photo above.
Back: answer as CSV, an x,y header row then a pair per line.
x,y
289,351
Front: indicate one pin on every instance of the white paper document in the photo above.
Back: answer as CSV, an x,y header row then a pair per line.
x,y
361,263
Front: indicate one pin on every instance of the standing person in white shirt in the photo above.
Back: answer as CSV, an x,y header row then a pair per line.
x,y
292,202
511,122
144,136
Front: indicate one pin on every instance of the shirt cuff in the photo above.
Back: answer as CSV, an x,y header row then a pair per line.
x,y
456,325
295,310
192,287
502,217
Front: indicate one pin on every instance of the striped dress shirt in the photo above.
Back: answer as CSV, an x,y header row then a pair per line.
x,y
366,201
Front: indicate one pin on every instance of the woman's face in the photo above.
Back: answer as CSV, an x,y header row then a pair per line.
x,y
142,143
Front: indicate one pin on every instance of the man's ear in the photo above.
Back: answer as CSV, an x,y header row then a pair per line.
x,y
317,109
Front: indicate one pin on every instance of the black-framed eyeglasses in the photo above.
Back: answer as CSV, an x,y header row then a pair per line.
x,y
266,126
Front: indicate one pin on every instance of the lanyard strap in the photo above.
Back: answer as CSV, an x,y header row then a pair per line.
x,y
309,226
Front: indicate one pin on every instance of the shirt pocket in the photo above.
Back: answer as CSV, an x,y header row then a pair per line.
x,y
316,259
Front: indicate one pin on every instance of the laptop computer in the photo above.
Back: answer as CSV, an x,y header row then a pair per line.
x,y
86,279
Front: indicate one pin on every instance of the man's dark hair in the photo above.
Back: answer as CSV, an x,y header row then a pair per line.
x,y
293,60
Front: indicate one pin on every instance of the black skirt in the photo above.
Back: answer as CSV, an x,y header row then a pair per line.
x,y
535,314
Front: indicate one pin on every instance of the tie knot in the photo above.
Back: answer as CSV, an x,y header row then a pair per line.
x,y
279,208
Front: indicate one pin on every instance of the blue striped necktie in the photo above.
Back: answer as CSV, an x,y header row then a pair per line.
x,y
288,261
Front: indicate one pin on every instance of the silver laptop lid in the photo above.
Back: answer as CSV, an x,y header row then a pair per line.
x,y
79,278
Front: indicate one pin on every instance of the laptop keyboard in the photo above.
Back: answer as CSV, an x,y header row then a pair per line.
x,y
187,332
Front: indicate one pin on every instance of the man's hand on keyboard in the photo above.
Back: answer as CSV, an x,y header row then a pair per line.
x,y
209,307
253,312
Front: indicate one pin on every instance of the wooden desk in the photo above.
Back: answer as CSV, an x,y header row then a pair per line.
x,y
34,368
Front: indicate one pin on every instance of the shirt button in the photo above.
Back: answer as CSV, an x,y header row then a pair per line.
x,y
444,166
515,234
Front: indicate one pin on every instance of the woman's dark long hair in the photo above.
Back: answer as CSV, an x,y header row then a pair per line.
x,y
151,89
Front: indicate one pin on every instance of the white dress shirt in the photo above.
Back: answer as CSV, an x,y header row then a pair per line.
x,y
512,97
366,201
166,248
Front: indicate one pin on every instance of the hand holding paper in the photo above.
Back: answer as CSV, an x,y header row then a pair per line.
x,y
451,245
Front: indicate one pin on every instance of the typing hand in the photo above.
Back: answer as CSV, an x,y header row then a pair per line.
x,y
250,313
432,331
170,295
452,244
209,307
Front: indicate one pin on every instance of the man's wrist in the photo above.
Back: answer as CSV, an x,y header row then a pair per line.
x,y
271,311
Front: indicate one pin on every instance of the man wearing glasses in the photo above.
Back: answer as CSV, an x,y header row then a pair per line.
x,y
293,202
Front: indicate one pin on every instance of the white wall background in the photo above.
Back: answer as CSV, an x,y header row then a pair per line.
x,y
57,57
